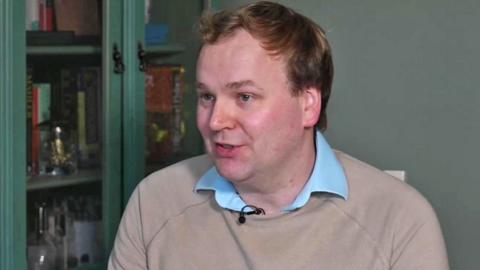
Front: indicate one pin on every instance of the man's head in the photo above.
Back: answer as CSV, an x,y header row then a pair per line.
x,y
259,93
283,32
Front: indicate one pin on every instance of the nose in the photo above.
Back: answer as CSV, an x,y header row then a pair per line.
x,y
222,117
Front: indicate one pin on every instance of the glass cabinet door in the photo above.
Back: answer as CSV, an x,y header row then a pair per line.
x,y
69,151
82,122
170,132
12,136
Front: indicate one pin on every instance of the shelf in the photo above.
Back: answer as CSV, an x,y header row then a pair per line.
x,y
81,177
90,267
63,50
166,49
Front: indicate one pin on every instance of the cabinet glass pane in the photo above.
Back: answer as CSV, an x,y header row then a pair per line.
x,y
169,97
165,124
64,134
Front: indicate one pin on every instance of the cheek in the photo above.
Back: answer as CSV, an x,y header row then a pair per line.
x,y
202,120
273,122
279,129
257,122
287,115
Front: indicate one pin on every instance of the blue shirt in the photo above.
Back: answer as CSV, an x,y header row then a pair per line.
x,y
327,176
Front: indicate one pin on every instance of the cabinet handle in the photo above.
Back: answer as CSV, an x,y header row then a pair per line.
x,y
118,60
142,58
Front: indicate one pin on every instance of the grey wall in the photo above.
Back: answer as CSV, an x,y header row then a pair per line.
x,y
406,96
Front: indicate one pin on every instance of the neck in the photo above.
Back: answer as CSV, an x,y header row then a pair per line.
x,y
275,190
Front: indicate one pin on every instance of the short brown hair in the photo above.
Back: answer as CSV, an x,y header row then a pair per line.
x,y
282,31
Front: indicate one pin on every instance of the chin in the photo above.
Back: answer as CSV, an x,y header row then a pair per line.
x,y
231,172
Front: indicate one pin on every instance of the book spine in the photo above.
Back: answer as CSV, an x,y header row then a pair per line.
x,y
178,90
79,16
32,15
159,87
29,113
148,11
46,15
82,144
91,85
44,98
35,132
68,94
44,112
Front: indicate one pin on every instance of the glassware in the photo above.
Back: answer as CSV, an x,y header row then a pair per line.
x,y
62,158
42,252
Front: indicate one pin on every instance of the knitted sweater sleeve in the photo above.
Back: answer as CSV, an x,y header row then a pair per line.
x,y
418,241
129,251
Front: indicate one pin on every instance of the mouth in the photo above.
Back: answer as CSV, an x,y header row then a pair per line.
x,y
225,146
225,150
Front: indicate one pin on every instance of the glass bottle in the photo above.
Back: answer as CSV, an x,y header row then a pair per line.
x,y
41,247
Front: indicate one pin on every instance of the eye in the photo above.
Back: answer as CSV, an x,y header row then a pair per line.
x,y
245,97
206,97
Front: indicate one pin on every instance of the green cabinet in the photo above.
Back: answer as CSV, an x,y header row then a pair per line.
x,y
73,122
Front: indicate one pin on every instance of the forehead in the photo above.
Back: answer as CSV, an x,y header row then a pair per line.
x,y
237,57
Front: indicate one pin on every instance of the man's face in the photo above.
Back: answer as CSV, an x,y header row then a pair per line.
x,y
251,124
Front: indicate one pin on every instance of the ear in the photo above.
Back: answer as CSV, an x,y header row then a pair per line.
x,y
312,104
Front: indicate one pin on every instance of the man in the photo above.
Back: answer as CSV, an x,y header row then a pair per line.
x,y
272,194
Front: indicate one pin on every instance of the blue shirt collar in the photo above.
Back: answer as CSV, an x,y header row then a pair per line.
x,y
327,176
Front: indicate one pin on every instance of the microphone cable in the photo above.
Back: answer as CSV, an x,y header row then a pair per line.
x,y
255,211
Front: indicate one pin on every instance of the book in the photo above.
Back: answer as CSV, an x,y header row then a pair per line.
x,y
178,94
41,113
66,98
90,82
32,15
29,113
81,137
44,116
35,138
83,17
164,111
159,86
46,15
88,117
44,99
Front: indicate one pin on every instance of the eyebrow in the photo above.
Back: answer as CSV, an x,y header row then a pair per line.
x,y
231,85
240,84
201,86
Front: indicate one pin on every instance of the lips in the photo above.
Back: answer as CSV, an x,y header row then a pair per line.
x,y
224,150
224,145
